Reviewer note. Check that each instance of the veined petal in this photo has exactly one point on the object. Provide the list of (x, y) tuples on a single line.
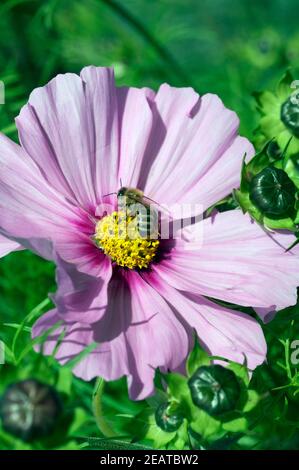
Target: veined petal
[(29, 206), (223, 332), (199, 149), (103, 122), (156, 338), (109, 360), (136, 127), (237, 261), (7, 246), (69, 128), (137, 334), (172, 109), (80, 296)]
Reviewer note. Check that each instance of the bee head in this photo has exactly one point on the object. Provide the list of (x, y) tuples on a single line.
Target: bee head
[(132, 194), (122, 191)]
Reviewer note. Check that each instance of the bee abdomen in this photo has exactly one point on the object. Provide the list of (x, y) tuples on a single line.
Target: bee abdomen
[(148, 224)]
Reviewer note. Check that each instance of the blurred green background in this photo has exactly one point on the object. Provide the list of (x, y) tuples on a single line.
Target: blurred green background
[(229, 47)]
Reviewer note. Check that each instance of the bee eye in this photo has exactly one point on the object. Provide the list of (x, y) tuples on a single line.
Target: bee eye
[(290, 114), (29, 409), (273, 193)]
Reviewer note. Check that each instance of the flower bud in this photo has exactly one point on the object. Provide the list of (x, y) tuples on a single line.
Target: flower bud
[(168, 417), (214, 389), (289, 114), (29, 409), (273, 193)]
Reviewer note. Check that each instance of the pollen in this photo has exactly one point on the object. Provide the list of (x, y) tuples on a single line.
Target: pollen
[(117, 235)]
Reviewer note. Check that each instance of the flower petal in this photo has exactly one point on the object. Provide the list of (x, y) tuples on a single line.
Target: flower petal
[(103, 120), (172, 109), (32, 212), (136, 125), (7, 246), (155, 337), (80, 296), (199, 149), (142, 333), (137, 334), (223, 332), (237, 261), (61, 131), (108, 360)]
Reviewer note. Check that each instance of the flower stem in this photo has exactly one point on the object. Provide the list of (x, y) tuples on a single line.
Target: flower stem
[(164, 53)]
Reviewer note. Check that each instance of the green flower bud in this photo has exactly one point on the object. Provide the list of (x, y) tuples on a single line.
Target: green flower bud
[(168, 417), (279, 116), (214, 389), (289, 115), (29, 409), (273, 193)]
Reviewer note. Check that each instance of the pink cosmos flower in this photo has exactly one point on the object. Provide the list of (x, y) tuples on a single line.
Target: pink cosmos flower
[(79, 137)]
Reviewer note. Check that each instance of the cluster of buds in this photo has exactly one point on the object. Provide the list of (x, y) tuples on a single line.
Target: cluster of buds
[(269, 189)]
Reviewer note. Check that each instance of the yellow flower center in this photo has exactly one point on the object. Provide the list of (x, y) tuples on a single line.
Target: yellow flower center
[(118, 236)]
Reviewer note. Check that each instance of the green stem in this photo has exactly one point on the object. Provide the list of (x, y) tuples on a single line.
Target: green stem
[(30, 317), (165, 55), (97, 406)]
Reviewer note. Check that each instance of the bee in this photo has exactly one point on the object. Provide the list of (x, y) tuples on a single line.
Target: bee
[(134, 203)]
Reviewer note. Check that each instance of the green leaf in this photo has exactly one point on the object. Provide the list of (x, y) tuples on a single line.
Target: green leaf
[(197, 357), (196, 441), (180, 440), (80, 417), (113, 444), (34, 314), (205, 425), (178, 391), (252, 401), (226, 442), (283, 88), (240, 370), (177, 386), (280, 224), (258, 162), (65, 380), (116, 415), (292, 169), (239, 424)]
